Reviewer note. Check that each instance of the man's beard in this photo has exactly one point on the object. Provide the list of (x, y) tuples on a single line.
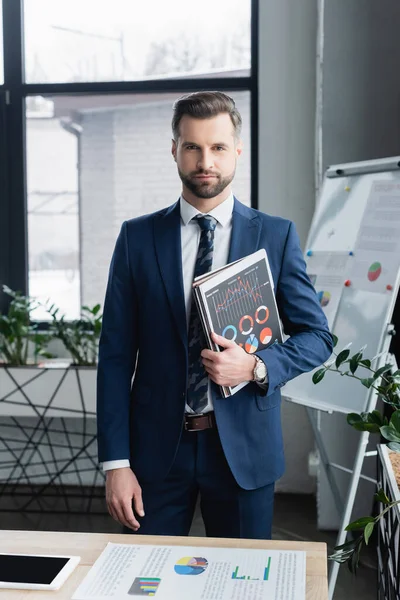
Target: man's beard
[(205, 189)]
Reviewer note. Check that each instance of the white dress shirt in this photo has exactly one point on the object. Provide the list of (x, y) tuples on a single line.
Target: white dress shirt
[(190, 238)]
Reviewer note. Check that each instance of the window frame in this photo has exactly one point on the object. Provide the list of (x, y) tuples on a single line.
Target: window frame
[(14, 263)]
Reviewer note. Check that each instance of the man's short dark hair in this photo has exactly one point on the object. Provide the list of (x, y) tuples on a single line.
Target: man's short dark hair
[(205, 105)]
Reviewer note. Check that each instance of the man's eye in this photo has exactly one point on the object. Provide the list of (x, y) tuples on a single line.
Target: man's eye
[(191, 147), (219, 148)]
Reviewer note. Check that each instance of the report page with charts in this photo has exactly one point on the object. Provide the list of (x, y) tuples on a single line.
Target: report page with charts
[(126, 571)]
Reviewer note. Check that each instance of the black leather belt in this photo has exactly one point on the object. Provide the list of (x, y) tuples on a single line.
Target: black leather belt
[(199, 422)]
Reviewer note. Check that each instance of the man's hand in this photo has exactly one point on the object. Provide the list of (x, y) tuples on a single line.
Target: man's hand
[(230, 367), (121, 487)]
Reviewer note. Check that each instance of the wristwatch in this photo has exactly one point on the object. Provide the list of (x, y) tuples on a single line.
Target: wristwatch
[(259, 371)]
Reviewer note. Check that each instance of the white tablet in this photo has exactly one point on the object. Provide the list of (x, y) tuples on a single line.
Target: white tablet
[(35, 571)]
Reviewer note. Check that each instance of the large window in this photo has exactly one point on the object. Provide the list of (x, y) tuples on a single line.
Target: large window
[(87, 132), (92, 162)]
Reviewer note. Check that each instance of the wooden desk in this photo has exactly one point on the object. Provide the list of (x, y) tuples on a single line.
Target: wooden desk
[(90, 545)]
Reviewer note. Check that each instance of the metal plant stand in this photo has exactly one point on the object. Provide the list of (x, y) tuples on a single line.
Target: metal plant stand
[(48, 449), (389, 532)]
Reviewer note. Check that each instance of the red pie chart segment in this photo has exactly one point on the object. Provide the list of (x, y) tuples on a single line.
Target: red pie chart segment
[(374, 271), (266, 335), (251, 344)]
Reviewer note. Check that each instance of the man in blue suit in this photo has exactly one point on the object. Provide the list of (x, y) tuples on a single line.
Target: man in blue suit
[(165, 433)]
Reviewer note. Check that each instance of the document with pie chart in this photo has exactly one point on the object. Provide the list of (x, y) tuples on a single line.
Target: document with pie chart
[(328, 272), (238, 303), (133, 571), (377, 249)]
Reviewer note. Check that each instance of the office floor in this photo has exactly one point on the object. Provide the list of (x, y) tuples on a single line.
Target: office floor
[(295, 519)]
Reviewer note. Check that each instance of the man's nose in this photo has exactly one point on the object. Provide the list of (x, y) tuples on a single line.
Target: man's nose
[(205, 160)]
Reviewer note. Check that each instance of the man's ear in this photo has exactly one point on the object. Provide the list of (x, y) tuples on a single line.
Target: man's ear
[(173, 149), (239, 147)]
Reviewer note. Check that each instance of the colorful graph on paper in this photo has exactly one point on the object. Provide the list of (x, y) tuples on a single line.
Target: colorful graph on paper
[(265, 573), (144, 586), (243, 309)]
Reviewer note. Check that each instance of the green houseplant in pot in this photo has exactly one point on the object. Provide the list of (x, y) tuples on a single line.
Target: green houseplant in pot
[(18, 334), (386, 383), (80, 337)]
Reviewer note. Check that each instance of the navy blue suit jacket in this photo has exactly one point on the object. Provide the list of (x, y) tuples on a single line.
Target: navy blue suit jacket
[(144, 334)]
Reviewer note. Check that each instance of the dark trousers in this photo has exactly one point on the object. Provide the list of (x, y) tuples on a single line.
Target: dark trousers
[(228, 510)]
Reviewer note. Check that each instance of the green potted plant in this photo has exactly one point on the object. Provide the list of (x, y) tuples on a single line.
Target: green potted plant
[(80, 337), (386, 382), (18, 334)]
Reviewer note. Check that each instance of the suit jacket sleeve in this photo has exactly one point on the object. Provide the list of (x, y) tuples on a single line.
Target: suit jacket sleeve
[(117, 356), (310, 342)]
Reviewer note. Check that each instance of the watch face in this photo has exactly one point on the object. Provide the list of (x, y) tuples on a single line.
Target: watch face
[(261, 371)]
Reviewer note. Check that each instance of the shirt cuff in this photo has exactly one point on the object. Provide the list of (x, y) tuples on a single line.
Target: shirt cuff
[(115, 464)]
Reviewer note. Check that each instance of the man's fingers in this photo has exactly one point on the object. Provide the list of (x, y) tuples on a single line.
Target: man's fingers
[(112, 512), (208, 354), (128, 516), (117, 514), (138, 503), (122, 488), (123, 514), (222, 341), (208, 363)]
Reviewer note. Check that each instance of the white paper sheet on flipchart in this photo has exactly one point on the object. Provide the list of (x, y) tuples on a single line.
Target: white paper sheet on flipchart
[(200, 573), (328, 272), (377, 248)]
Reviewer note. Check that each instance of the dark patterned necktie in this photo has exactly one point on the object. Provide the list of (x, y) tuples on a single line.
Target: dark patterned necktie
[(197, 392)]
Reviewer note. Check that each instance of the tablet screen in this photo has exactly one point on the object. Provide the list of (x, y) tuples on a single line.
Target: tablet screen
[(30, 569)]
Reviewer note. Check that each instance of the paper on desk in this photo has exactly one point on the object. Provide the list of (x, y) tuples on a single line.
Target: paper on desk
[(197, 573)]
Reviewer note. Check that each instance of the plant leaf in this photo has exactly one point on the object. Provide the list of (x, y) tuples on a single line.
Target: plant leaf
[(395, 420), (341, 357), (354, 418), (368, 531), (381, 497), (367, 382), (318, 375), (390, 433), (395, 446), (335, 340), (354, 362), (360, 523), (381, 371), (366, 363), (350, 545)]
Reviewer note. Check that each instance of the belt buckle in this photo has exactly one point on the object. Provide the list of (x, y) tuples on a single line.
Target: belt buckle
[(187, 422)]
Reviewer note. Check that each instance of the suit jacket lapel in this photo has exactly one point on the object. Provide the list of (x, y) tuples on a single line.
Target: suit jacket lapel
[(246, 230), (167, 239)]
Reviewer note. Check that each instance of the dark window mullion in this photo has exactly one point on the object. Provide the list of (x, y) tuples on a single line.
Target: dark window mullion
[(233, 84), (17, 267), (254, 108), (4, 208), (13, 43)]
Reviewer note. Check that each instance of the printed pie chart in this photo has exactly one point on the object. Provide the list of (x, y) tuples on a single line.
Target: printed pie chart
[(191, 565), (324, 298), (251, 344), (230, 332), (374, 271), (266, 335)]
